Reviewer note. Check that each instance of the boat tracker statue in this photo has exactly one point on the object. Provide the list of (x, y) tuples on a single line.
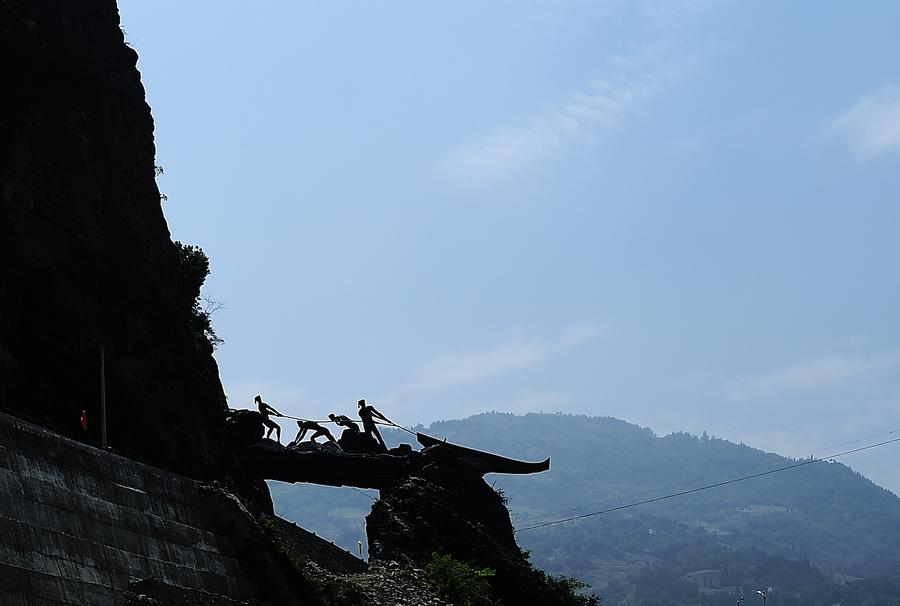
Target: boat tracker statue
[(357, 458)]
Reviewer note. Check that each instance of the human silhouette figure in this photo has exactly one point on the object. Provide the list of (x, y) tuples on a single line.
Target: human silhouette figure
[(368, 414), (305, 426), (343, 421), (265, 410)]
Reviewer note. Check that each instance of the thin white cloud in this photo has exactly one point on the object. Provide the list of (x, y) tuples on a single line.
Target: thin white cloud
[(478, 364), (872, 125), (820, 374), (580, 333), (630, 82), (604, 106), (503, 154)]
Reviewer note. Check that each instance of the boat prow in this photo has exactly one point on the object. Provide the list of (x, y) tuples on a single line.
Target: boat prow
[(486, 462)]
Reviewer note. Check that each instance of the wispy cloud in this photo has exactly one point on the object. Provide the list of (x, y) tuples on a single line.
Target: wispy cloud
[(624, 88), (502, 154), (603, 106), (872, 126), (515, 354), (823, 373)]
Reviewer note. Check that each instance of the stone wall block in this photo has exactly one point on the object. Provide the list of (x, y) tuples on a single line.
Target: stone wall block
[(7, 458), (132, 498), (14, 580), (78, 525), (11, 483), (233, 568), (46, 587), (96, 595), (154, 548), (224, 546), (182, 556), (220, 584)]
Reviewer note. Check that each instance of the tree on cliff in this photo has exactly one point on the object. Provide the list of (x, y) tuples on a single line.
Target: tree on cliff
[(193, 268)]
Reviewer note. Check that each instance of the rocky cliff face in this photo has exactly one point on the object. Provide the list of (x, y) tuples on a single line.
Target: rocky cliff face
[(447, 508), (86, 259)]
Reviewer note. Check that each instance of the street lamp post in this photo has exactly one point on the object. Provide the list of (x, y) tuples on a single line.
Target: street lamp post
[(764, 594)]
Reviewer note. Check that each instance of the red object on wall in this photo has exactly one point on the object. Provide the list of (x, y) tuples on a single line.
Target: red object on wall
[(83, 420)]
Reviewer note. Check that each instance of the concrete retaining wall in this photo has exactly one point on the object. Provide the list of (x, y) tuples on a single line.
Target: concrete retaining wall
[(78, 525)]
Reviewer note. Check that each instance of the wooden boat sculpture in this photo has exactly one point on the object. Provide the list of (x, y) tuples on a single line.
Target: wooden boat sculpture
[(485, 462)]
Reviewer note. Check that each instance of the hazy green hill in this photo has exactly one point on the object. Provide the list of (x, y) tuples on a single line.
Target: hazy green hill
[(794, 530)]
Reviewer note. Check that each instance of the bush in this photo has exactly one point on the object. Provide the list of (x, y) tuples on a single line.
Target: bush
[(566, 590), (460, 583), (193, 268)]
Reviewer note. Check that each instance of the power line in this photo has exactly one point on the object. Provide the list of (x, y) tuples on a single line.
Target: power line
[(856, 441), (707, 487), (738, 470), (362, 492)]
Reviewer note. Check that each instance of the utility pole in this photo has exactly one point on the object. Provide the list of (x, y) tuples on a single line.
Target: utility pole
[(102, 398)]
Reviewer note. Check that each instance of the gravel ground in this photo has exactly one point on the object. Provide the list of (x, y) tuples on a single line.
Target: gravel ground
[(387, 583)]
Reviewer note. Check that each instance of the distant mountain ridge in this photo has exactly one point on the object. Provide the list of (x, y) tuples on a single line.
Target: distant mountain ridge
[(605, 462), (799, 529)]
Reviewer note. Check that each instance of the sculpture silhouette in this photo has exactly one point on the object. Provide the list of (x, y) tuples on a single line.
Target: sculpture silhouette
[(356, 459), (265, 410), (318, 430), (368, 414)]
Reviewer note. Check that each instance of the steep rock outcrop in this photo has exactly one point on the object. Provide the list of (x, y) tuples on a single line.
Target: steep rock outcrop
[(448, 509), (86, 259)]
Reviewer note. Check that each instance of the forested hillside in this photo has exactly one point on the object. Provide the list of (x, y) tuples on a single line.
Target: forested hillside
[(809, 533)]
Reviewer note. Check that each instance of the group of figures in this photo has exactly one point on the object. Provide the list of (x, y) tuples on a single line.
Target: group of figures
[(351, 437)]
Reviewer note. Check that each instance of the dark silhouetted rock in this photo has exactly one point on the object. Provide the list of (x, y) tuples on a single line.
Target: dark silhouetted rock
[(467, 516), (359, 442), (86, 259), (323, 464), (401, 450), (450, 510), (244, 427)]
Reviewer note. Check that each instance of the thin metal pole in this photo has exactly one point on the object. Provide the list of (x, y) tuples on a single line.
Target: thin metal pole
[(102, 398)]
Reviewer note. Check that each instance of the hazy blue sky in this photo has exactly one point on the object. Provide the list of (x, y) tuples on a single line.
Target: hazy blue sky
[(682, 214)]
